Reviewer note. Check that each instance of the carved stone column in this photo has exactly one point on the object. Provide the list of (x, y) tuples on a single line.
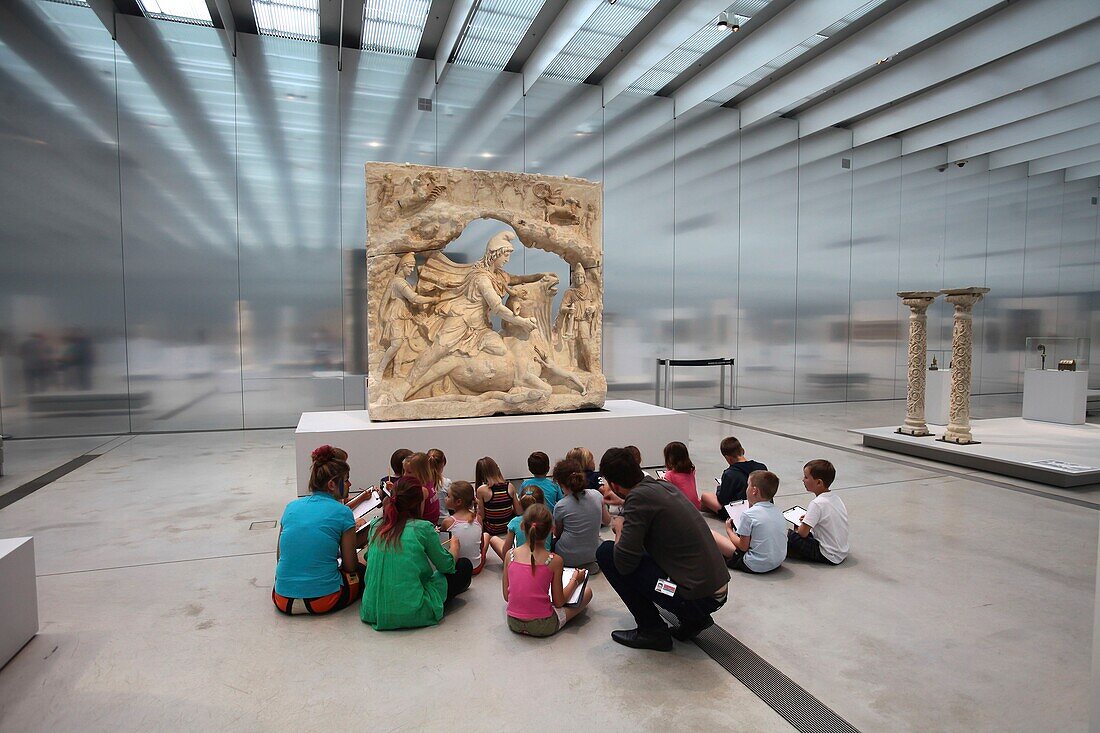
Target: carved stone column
[(962, 348), (918, 302)]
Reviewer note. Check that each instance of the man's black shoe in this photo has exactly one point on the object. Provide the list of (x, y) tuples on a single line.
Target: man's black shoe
[(688, 631), (637, 639)]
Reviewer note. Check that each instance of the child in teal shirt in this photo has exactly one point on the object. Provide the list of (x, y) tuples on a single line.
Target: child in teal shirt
[(538, 463)]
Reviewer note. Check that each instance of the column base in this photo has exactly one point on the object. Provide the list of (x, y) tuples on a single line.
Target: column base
[(914, 432), (958, 440)]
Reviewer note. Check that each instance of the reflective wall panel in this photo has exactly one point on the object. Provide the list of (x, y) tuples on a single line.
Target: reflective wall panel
[(923, 223), (875, 319), (176, 131), (379, 121), (769, 244), (823, 268), (480, 119), (965, 242), (638, 230), (62, 325), (1004, 318), (1076, 257), (290, 255), (708, 149), (1042, 253)]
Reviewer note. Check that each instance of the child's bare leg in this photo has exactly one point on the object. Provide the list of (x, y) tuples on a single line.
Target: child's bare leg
[(709, 503), (571, 613), (725, 545), (497, 543)]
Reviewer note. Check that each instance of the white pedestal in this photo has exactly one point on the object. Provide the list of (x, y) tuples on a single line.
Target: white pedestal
[(1053, 396), (937, 394), (18, 597), (507, 438)]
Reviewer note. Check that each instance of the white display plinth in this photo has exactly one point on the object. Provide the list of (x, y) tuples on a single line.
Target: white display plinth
[(1053, 396), (18, 597), (507, 438), (937, 394)]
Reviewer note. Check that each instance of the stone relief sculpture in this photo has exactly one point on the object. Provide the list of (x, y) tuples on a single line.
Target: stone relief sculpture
[(433, 349)]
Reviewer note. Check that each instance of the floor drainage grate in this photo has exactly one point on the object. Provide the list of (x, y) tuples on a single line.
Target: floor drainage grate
[(269, 524), (782, 694)]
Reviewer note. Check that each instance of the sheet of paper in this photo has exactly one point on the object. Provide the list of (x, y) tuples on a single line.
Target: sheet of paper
[(735, 510), (566, 576), (660, 473), (794, 515), (362, 509)]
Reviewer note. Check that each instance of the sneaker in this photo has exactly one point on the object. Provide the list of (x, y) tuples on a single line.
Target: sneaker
[(638, 639)]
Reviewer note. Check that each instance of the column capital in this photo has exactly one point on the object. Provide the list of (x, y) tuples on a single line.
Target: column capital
[(964, 298), (918, 300)]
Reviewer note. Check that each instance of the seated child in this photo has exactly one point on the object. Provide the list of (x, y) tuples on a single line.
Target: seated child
[(497, 503), (734, 478), (418, 466), (464, 524), (823, 534), (578, 516), (516, 537), (759, 544), (437, 461), (532, 581), (680, 471), (397, 469), (318, 570), (538, 463)]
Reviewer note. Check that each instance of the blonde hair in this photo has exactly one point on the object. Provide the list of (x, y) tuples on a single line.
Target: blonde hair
[(462, 494), (583, 456), (536, 524), (436, 463), (417, 465)]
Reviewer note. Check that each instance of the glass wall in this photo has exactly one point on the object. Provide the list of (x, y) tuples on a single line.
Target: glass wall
[(184, 230)]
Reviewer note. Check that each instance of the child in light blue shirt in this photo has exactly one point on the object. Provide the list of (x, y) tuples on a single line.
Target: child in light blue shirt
[(538, 463), (759, 542)]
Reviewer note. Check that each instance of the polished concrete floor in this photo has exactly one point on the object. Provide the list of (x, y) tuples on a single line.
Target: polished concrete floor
[(967, 603)]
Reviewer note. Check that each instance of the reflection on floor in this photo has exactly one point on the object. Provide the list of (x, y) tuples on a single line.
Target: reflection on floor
[(156, 613)]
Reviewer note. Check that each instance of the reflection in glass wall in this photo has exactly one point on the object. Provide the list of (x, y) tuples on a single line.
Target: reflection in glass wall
[(62, 323), (184, 230)]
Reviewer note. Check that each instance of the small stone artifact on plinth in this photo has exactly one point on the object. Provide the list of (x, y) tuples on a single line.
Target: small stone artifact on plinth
[(962, 348), (433, 349), (918, 302)]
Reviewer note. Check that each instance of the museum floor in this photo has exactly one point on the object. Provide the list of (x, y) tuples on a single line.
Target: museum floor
[(966, 605)]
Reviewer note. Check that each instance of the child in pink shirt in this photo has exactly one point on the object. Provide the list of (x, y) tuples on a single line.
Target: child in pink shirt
[(680, 471), (532, 580)]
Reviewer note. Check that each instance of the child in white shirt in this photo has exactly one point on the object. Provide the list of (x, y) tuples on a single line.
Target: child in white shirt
[(822, 536)]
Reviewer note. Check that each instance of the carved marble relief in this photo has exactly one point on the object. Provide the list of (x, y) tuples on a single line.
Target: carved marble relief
[(433, 349)]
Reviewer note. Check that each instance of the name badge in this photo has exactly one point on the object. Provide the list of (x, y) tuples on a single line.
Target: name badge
[(667, 587)]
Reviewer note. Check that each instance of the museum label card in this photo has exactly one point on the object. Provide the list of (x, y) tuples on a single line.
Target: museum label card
[(1063, 466)]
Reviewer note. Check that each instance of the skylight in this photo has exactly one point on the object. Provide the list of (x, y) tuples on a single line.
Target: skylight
[(299, 19), (394, 26), (494, 32), (694, 48), (780, 61), (184, 11), (597, 38)]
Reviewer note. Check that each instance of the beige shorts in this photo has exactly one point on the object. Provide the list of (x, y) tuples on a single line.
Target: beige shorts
[(540, 626)]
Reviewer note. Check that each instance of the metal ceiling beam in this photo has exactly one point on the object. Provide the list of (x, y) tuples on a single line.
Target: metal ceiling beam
[(452, 31), (786, 30), (1062, 55), (433, 28), (1015, 28), (1081, 172), (105, 11), (560, 32), (903, 28), (1054, 94), (331, 15), (1050, 123), (223, 18), (1068, 159), (243, 16), (1046, 146), (353, 24), (675, 28)]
